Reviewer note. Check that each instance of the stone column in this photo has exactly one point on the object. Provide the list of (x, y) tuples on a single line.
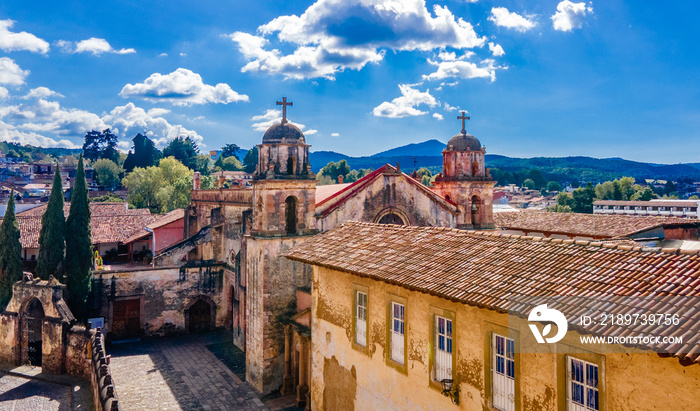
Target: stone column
[(288, 379), (302, 388)]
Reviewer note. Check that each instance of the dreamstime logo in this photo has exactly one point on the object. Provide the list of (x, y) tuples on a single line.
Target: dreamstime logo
[(542, 314)]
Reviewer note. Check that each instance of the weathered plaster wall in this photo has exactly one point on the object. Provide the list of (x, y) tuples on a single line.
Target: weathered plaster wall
[(164, 293), (630, 381), (269, 207), (389, 191), (270, 301)]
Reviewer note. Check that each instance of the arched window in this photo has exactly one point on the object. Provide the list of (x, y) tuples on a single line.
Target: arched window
[(391, 218), (291, 214), (476, 211)]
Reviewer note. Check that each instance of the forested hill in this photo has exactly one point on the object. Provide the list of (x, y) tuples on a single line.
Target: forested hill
[(428, 154)]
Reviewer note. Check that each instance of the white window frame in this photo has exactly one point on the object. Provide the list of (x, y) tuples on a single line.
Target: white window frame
[(502, 372), (398, 336), (444, 348), (361, 318), (580, 382)]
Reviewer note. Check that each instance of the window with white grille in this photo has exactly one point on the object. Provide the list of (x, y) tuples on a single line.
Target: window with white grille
[(443, 349), (503, 372), (581, 385), (397, 332), (361, 318)]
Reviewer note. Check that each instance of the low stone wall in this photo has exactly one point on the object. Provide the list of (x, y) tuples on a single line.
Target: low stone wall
[(103, 390)]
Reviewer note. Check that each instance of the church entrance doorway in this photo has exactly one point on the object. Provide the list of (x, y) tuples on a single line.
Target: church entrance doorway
[(30, 340), (200, 317), (126, 321)]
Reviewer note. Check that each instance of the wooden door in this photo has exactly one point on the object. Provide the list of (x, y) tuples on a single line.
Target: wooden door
[(200, 317), (126, 321)]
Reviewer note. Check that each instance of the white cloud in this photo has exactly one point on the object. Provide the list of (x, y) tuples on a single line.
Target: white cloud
[(405, 105), (272, 117), (183, 54), (438, 116), (41, 92), (4, 93), (10, 133), (462, 69), (496, 49), (503, 18), (182, 87), (163, 55), (93, 45), (335, 134), (11, 73), (570, 15), (10, 41), (335, 35), (128, 120), (48, 116), (448, 107)]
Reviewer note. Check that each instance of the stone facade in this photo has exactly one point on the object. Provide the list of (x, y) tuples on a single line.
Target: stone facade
[(38, 328)]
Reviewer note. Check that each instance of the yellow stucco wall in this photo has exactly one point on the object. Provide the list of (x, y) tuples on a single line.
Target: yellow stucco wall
[(345, 377)]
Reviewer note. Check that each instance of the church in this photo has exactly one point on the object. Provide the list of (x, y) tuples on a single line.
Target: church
[(246, 231)]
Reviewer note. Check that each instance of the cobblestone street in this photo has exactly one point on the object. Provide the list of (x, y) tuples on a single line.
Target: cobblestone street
[(26, 388), (178, 374)]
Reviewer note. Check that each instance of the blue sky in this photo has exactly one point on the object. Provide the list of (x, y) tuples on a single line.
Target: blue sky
[(547, 78)]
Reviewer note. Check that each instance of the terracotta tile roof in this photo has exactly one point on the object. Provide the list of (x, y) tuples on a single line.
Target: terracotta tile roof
[(109, 223), (513, 274), (96, 209), (655, 203), (160, 221), (589, 225)]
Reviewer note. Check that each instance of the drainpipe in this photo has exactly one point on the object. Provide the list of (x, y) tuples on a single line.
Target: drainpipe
[(153, 247)]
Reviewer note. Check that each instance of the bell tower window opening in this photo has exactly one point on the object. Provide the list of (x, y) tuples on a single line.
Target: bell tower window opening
[(475, 168), (291, 165), (291, 214)]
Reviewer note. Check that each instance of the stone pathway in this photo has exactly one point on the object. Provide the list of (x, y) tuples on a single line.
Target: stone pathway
[(178, 374), (26, 388)]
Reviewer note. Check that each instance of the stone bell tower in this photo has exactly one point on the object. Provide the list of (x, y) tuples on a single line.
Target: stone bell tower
[(465, 180), (284, 203)]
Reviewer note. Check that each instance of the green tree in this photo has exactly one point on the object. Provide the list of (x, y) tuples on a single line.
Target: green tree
[(230, 150), (583, 199), (617, 192), (553, 186), (529, 184), (669, 188), (161, 189), (693, 197), (101, 145), (183, 149), (78, 261), (536, 176), (10, 253), (250, 161), (644, 194), (627, 187), (333, 170), (107, 173), (145, 153), (142, 185), (232, 164), (51, 235), (355, 175)]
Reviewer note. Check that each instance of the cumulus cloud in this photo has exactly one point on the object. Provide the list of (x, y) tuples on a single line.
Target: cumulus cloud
[(462, 69), (41, 92), (448, 107), (335, 134), (4, 93), (11, 134), (504, 18), (570, 15), (182, 87), (405, 105), (335, 35), (496, 49), (93, 45), (10, 41), (274, 116), (438, 116), (42, 115), (11, 73), (128, 120)]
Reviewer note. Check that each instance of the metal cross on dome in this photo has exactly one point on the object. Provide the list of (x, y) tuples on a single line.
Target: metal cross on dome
[(463, 117), (284, 103)]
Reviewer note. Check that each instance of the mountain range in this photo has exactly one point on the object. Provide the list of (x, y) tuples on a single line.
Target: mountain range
[(429, 154)]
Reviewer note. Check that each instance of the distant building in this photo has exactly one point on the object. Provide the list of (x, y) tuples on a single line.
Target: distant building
[(661, 207)]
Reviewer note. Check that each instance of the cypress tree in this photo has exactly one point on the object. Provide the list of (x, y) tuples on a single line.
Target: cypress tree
[(51, 236), (78, 262), (10, 253)]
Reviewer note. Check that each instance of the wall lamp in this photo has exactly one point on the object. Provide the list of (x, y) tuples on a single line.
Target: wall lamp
[(447, 391)]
